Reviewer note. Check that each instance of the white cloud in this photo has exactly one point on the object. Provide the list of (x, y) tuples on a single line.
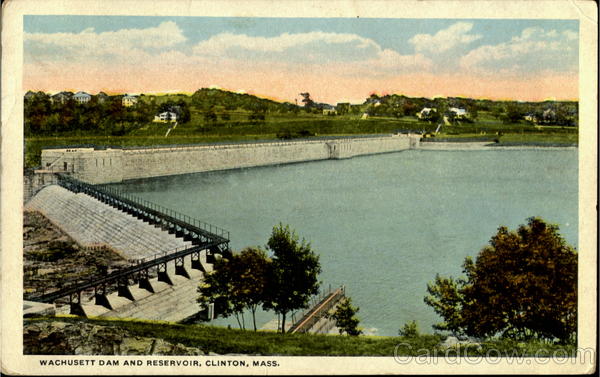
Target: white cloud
[(304, 48), (131, 44), (308, 47), (535, 49), (446, 39)]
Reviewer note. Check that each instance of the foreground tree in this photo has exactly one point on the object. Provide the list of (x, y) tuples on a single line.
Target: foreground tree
[(345, 318), (522, 286), (294, 272), (216, 288), (237, 284), (250, 273)]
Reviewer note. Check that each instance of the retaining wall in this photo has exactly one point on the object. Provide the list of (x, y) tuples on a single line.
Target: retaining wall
[(116, 165)]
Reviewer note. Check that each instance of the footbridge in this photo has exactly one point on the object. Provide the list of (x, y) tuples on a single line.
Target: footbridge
[(145, 276), (315, 319)]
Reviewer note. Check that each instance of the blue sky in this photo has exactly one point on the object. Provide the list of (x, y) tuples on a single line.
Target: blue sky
[(390, 33), (345, 47)]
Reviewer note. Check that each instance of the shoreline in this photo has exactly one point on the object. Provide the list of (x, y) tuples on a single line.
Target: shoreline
[(486, 146)]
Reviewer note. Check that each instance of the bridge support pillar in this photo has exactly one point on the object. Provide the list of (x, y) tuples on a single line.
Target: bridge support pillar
[(100, 297), (144, 281), (196, 264), (180, 267), (163, 275), (123, 290), (75, 305)]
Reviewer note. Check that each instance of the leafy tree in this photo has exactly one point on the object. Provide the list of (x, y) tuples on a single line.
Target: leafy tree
[(409, 330), (237, 283), (308, 102), (345, 318), (293, 275), (210, 115), (513, 113), (523, 285), (251, 269), (216, 288)]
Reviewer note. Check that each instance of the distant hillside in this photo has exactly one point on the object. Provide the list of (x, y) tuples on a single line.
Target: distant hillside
[(206, 99)]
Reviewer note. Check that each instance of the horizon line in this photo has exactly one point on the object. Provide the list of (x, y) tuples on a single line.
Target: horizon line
[(272, 98)]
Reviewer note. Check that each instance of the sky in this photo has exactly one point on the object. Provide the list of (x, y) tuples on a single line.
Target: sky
[(334, 59)]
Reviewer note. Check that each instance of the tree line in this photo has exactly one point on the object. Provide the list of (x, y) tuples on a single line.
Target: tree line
[(106, 115), (102, 115)]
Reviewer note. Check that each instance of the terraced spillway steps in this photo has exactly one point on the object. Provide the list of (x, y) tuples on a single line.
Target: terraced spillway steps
[(159, 284)]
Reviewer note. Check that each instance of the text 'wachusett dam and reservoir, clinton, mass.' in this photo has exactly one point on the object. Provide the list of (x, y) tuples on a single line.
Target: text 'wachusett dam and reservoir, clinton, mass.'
[(231, 186)]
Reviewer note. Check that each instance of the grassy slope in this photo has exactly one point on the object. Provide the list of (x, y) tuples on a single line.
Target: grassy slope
[(223, 341)]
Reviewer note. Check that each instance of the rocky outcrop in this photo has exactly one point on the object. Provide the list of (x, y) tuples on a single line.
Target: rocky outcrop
[(52, 259), (82, 338)]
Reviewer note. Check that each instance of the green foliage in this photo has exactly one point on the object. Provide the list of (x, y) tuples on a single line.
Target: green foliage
[(294, 274), (345, 318), (210, 97), (446, 300), (514, 113), (522, 286), (236, 284), (217, 287), (409, 330), (251, 268), (43, 116)]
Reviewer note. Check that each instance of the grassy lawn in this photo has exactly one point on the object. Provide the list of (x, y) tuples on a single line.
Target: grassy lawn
[(222, 340)]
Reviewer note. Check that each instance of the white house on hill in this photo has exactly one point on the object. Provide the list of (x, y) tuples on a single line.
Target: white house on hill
[(61, 97), (424, 113), (165, 117), (82, 97), (129, 100), (459, 112)]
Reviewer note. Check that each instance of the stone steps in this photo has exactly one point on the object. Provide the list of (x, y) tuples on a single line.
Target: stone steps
[(90, 222)]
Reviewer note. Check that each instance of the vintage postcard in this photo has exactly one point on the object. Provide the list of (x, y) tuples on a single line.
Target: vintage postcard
[(302, 187)]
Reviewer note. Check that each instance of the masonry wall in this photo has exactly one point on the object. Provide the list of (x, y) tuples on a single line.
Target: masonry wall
[(116, 165)]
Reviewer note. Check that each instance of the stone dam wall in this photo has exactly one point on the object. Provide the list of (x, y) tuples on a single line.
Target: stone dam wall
[(98, 166)]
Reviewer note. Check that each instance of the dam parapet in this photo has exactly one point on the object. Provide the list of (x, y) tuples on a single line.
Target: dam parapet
[(113, 165)]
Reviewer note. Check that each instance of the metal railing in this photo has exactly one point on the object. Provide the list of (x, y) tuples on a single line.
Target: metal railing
[(317, 311), (140, 265), (184, 221)]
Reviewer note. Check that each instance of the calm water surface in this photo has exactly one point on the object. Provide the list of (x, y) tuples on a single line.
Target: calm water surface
[(383, 225)]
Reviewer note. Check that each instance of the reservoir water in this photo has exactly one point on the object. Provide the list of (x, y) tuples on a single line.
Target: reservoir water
[(384, 225)]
